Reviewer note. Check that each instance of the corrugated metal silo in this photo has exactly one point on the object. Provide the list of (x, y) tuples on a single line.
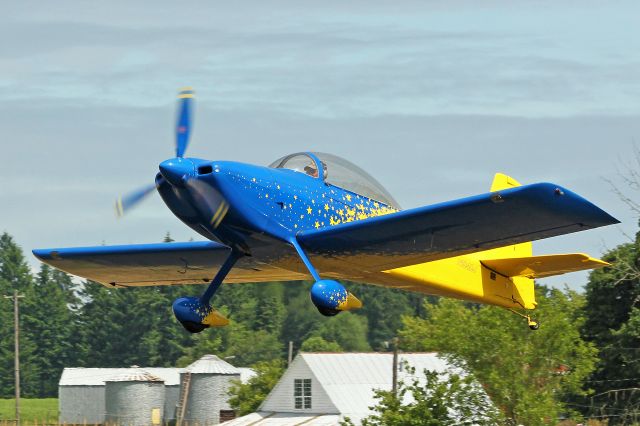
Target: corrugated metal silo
[(205, 385), (134, 399)]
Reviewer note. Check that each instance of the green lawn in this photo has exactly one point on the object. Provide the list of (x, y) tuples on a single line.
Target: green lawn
[(31, 410)]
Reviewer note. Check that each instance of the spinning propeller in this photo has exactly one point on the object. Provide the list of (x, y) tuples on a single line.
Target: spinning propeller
[(170, 168)]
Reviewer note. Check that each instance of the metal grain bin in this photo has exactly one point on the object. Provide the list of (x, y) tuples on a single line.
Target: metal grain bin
[(204, 387), (134, 399)]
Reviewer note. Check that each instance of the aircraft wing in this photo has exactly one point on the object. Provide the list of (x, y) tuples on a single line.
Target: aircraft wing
[(159, 264), (453, 228)]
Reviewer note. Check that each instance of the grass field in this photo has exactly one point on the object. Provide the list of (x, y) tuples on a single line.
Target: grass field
[(31, 410)]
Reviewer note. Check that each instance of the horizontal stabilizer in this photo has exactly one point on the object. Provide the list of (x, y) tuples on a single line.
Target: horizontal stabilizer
[(543, 266)]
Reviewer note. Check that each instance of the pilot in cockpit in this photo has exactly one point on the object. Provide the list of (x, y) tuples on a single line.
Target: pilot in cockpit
[(312, 170)]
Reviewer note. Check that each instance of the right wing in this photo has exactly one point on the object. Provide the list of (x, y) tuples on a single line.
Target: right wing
[(449, 229), (159, 264)]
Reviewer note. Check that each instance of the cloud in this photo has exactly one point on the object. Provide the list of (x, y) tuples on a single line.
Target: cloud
[(321, 62)]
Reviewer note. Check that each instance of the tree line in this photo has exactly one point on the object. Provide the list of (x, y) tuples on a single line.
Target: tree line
[(583, 362), (71, 323)]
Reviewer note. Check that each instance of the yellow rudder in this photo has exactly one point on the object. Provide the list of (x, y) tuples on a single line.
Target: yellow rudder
[(502, 181)]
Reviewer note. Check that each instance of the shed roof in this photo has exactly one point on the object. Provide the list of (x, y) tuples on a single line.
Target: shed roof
[(79, 376), (211, 364)]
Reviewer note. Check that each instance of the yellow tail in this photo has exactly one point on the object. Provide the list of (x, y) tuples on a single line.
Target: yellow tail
[(502, 276)]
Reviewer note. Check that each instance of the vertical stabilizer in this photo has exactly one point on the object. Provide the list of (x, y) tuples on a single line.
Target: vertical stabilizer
[(524, 291), (502, 181)]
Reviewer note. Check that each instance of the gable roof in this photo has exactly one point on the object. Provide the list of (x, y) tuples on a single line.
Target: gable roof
[(208, 364), (350, 379), (98, 376)]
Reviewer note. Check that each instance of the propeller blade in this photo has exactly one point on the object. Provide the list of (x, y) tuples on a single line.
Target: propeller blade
[(183, 126), (124, 204)]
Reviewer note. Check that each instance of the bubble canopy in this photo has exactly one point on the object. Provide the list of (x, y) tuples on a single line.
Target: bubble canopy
[(337, 172)]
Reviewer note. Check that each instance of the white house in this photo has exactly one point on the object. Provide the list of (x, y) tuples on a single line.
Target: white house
[(324, 388)]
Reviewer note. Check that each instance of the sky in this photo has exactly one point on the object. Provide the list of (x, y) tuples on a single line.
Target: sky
[(432, 98)]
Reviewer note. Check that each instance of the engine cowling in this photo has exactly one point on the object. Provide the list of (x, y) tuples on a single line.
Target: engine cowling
[(331, 298)]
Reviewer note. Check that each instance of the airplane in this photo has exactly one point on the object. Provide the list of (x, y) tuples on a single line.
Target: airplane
[(312, 214)]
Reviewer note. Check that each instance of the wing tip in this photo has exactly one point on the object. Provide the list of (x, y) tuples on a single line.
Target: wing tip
[(41, 254), (594, 216), (596, 263)]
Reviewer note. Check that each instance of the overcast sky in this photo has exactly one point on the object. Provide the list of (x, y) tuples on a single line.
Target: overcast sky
[(432, 98)]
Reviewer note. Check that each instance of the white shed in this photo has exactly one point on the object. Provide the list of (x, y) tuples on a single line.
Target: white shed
[(324, 388), (81, 392)]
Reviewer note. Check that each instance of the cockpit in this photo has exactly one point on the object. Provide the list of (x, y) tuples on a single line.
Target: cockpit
[(336, 171)]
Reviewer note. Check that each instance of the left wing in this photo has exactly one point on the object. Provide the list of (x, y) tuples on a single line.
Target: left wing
[(454, 228), (159, 264)]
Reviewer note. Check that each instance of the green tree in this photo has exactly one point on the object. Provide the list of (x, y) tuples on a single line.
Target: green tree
[(269, 310), (348, 330), (14, 270), (318, 344), (384, 307), (528, 374), (207, 342), (301, 317), (49, 322), (439, 400), (237, 343), (246, 398), (14, 275), (248, 347), (613, 301), (122, 327)]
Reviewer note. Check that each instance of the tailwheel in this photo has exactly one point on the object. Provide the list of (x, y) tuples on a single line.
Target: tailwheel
[(533, 324)]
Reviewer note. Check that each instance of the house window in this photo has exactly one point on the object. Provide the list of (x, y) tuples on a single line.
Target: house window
[(302, 393), (226, 415)]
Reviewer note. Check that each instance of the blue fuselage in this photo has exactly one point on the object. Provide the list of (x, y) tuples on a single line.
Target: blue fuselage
[(232, 202)]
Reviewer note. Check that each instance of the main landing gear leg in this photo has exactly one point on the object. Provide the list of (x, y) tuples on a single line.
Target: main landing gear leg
[(194, 313), (533, 325), (329, 296)]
